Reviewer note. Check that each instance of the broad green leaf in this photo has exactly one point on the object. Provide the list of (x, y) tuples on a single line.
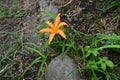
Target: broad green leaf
[(99, 62), (88, 53), (103, 66), (86, 48), (95, 52), (105, 58), (109, 63), (92, 65)]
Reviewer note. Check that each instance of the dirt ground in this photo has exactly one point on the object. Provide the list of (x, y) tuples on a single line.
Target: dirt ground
[(85, 16)]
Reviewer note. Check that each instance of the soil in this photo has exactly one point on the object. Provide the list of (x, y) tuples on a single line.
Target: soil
[(84, 16)]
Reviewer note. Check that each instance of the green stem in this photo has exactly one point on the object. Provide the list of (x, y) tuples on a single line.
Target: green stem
[(108, 46), (95, 77)]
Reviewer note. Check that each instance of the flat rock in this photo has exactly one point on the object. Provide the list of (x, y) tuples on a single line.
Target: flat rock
[(60, 69)]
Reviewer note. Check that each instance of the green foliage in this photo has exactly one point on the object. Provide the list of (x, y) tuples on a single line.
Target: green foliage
[(92, 53), (13, 11), (92, 64), (117, 42), (37, 60), (20, 47), (108, 75), (38, 51), (104, 62), (49, 14), (8, 60), (2, 12), (111, 4), (20, 13), (88, 46)]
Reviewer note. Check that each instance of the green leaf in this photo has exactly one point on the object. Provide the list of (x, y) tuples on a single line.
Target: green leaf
[(49, 13), (105, 58), (95, 52), (86, 48), (20, 13), (37, 60), (109, 63), (111, 4), (36, 51), (2, 12), (88, 53), (103, 66), (99, 62), (92, 65)]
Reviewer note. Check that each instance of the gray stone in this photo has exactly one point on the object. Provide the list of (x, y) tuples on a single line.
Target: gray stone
[(60, 69), (47, 5)]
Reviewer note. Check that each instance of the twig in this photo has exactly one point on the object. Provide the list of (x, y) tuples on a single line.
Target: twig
[(67, 3), (4, 68)]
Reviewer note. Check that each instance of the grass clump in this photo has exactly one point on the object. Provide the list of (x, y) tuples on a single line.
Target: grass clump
[(88, 49), (13, 11)]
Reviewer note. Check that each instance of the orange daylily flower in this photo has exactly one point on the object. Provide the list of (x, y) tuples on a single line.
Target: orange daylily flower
[(54, 28)]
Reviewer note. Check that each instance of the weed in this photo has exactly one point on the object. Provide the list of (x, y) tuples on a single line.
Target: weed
[(95, 62), (13, 11), (111, 4), (88, 46), (20, 13), (2, 12)]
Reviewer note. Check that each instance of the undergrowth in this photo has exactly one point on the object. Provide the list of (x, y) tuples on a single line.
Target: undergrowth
[(88, 46)]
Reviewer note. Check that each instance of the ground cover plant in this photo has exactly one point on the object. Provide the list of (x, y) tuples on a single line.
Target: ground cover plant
[(89, 32)]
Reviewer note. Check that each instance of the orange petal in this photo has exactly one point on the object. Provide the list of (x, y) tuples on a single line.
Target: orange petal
[(45, 30), (57, 20), (62, 33), (51, 37), (62, 24), (49, 23)]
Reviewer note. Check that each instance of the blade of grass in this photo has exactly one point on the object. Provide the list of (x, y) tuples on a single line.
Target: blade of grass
[(49, 13), (108, 46), (37, 60), (36, 51), (41, 70)]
